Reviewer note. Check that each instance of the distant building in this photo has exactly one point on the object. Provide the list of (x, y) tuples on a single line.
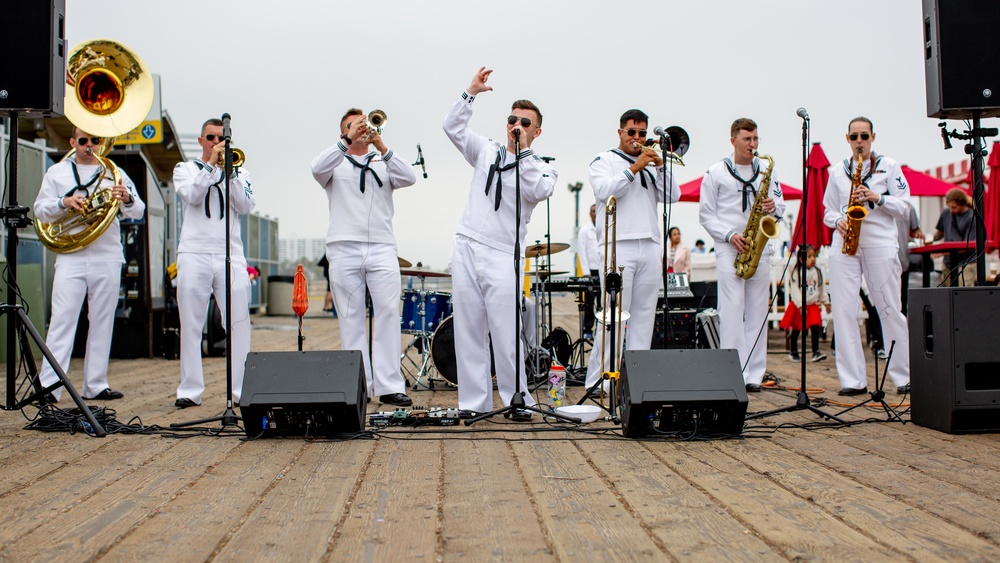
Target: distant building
[(296, 248)]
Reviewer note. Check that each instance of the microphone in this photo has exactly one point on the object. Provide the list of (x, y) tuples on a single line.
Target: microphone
[(801, 112), (517, 133), (659, 132), (226, 133), (420, 160)]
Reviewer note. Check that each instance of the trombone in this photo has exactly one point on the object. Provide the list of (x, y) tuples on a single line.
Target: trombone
[(612, 303)]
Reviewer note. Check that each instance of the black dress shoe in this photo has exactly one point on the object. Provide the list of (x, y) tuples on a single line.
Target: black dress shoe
[(106, 395), (848, 392), (902, 390), (753, 388), (398, 399), (184, 403)]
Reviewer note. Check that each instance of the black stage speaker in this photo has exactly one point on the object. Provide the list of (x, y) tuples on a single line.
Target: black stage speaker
[(700, 391), (955, 359), (304, 393), (33, 60), (959, 36)]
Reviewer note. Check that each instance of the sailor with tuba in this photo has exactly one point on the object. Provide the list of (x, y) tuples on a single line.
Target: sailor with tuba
[(738, 191), (879, 187), (634, 174), (92, 269)]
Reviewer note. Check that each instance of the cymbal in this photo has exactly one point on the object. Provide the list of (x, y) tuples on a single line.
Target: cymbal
[(422, 272), (404, 263), (543, 249), (546, 273)]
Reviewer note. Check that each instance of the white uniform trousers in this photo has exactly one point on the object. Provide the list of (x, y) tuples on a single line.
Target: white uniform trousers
[(743, 311), (198, 277), (641, 281), (354, 266), (485, 290), (100, 283), (881, 272)]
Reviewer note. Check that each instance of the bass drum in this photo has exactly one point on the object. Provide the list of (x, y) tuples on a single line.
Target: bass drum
[(443, 352)]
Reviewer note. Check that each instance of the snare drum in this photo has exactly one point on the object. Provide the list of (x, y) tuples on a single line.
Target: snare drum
[(436, 307)]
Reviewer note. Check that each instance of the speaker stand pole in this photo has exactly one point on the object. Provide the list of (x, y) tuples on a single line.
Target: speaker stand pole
[(16, 217), (978, 152), (802, 399), (228, 417)]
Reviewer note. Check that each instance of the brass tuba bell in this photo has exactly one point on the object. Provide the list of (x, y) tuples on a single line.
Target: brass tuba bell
[(112, 91)]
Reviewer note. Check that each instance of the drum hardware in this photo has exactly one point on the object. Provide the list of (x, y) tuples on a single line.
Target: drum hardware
[(423, 314)]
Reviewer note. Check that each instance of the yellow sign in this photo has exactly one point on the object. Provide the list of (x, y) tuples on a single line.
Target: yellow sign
[(147, 132), (151, 129)]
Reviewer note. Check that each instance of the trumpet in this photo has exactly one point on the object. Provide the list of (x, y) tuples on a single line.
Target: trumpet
[(652, 148), (375, 122), (239, 157)]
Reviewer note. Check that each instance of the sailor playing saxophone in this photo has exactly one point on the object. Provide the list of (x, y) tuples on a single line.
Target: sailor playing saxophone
[(728, 194), (883, 191)]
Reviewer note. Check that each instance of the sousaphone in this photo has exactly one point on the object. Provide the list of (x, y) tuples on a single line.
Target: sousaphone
[(110, 92)]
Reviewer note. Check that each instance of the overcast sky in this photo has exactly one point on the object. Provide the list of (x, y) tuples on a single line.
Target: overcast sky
[(286, 71)]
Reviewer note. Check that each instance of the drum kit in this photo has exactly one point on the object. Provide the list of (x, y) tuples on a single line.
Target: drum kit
[(427, 317)]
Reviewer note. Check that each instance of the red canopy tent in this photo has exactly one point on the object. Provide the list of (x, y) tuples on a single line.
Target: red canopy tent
[(922, 185), (691, 191), (991, 199), (817, 174)]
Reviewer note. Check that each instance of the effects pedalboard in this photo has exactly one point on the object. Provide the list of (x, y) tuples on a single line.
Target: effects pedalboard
[(417, 416)]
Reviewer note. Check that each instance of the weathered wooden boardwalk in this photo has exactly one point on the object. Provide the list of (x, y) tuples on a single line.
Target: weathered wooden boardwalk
[(495, 491)]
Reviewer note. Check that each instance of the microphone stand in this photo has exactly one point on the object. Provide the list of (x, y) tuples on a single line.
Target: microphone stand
[(802, 398), (517, 400), (666, 147), (18, 324), (228, 417)]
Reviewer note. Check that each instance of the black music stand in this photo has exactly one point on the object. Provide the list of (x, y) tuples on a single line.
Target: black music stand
[(18, 324), (228, 417)]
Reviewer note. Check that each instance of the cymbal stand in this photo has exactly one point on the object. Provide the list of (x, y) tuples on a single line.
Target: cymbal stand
[(421, 342), (540, 357)]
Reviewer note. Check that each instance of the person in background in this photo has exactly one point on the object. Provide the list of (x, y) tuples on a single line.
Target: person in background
[(699, 247), (957, 224), (678, 253), (590, 258), (815, 297)]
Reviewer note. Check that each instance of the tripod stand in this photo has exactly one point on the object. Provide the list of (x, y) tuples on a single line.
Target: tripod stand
[(228, 417), (517, 402), (802, 398), (19, 326), (878, 395)]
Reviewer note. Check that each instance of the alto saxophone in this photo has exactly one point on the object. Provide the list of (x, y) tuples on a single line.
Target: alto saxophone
[(760, 227), (855, 214)]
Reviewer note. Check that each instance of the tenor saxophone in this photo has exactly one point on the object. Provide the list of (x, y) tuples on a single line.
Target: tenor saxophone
[(855, 214), (760, 227)]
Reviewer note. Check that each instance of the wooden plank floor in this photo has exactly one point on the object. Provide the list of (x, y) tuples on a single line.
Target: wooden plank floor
[(497, 490)]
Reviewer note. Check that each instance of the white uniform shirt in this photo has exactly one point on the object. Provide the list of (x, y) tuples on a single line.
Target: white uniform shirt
[(355, 215), (879, 227), (203, 230), (636, 216), (481, 220), (586, 248), (58, 183), (720, 209)]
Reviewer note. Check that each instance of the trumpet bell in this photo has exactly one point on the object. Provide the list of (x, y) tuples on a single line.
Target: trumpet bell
[(112, 88), (378, 118)]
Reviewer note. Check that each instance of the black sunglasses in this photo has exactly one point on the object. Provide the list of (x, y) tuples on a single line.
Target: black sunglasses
[(854, 136), (211, 137), (632, 132), (92, 140), (525, 122)]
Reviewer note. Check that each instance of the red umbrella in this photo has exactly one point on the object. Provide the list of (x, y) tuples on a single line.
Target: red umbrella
[(923, 185), (991, 199), (691, 191), (817, 174)]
